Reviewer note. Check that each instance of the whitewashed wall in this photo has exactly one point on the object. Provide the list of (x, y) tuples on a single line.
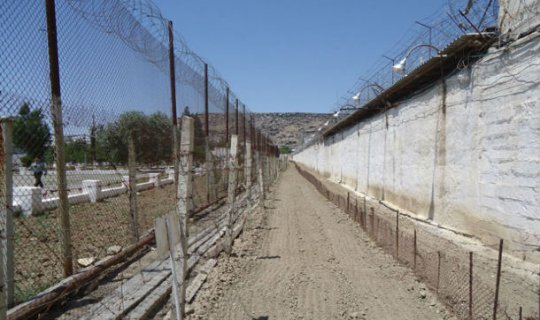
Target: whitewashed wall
[(518, 16), (474, 168)]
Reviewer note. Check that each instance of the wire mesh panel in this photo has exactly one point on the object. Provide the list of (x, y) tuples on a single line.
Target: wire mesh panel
[(465, 281), (24, 94), (96, 89)]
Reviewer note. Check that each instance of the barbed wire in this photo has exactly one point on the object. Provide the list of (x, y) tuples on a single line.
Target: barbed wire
[(141, 26), (452, 20)]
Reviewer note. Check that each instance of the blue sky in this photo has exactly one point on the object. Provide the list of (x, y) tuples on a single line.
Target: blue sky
[(293, 55)]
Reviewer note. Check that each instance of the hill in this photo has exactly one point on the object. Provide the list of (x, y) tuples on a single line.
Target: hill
[(290, 128)]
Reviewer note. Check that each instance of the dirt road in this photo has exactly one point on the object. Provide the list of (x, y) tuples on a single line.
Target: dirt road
[(305, 259)]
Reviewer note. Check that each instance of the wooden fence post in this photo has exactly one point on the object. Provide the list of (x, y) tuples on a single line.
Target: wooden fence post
[(58, 126), (132, 188), (261, 176), (233, 174), (7, 271), (184, 198), (248, 165), (210, 181)]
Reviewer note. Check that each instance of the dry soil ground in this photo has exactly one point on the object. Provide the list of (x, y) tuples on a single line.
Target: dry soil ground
[(302, 258)]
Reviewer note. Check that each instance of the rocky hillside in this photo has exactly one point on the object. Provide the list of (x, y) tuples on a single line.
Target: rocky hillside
[(290, 128)]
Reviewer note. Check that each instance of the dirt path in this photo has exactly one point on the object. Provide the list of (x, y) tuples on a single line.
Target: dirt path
[(305, 259)]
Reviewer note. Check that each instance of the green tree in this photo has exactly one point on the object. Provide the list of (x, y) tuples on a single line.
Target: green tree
[(76, 151), (285, 150), (151, 134), (31, 133)]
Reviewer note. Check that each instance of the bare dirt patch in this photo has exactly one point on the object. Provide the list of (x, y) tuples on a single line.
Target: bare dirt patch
[(94, 228), (302, 258)]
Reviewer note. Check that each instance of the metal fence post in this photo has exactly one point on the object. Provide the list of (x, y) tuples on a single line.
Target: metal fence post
[(210, 185), (244, 126), (172, 76), (397, 235), (236, 117), (348, 201), (498, 281), (56, 111), (132, 188), (438, 270), (227, 93), (372, 222), (470, 285), (260, 165), (248, 169), (415, 250)]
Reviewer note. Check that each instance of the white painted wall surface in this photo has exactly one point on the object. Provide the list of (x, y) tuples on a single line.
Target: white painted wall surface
[(474, 168), (518, 16)]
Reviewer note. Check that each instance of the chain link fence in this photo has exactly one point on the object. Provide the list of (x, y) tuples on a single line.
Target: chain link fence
[(90, 93), (469, 282)]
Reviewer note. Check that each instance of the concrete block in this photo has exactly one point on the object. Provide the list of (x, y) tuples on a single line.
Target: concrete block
[(145, 186), (154, 178), (93, 189), (78, 198), (170, 174), (29, 199), (113, 192)]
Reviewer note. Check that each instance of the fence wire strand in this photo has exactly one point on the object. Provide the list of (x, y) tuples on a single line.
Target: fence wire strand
[(115, 84)]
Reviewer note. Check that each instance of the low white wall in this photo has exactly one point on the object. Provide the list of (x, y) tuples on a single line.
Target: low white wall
[(29, 200), (473, 166)]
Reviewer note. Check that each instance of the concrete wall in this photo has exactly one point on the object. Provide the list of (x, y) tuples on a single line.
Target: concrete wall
[(518, 16), (468, 159)]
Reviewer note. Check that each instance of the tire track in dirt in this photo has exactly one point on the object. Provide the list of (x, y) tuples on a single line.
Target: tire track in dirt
[(315, 263)]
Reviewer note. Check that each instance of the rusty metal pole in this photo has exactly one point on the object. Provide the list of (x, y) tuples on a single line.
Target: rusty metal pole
[(56, 111), (172, 76), (415, 250), (470, 285), (372, 221), (224, 166), (498, 280), (355, 209), (208, 155), (206, 104), (438, 270), (348, 200), (244, 125), (236, 117), (397, 235), (227, 93)]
